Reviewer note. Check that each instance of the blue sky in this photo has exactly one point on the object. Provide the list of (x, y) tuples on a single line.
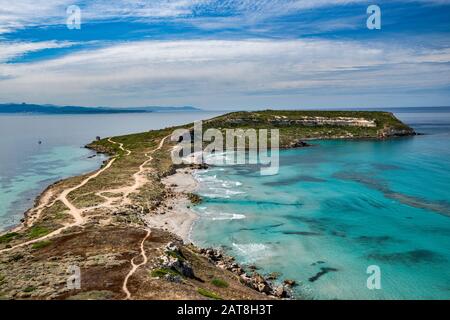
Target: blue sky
[(229, 54)]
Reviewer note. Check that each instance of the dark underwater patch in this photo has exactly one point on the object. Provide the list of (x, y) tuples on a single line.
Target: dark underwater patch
[(375, 240), (292, 181), (317, 225), (243, 202), (323, 271), (262, 228), (441, 207), (413, 256), (384, 167), (302, 233), (338, 234)]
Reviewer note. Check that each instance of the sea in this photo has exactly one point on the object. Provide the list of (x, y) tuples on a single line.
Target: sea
[(38, 150), (344, 219)]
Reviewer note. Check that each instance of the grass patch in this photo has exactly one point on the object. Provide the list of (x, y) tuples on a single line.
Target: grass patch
[(163, 271), (8, 237), (93, 295), (208, 294), (41, 244), (37, 232), (176, 255), (29, 289), (220, 283)]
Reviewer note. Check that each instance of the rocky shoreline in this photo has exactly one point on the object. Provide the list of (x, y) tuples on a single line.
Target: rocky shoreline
[(182, 185), (256, 281)]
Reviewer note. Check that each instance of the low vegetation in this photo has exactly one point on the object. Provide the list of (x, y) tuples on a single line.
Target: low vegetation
[(208, 294), (37, 231), (29, 289), (176, 255), (220, 283), (40, 244), (290, 131), (8, 237), (161, 272)]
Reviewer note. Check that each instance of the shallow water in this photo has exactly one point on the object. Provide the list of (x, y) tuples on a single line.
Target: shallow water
[(27, 167), (339, 207)]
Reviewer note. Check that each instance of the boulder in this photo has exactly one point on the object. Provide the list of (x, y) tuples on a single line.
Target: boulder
[(290, 283), (280, 292)]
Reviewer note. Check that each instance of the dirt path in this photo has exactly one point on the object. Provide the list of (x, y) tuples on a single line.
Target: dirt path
[(135, 266), (76, 213), (35, 213), (139, 181)]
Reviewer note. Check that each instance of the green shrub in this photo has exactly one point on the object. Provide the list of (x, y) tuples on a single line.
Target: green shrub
[(41, 244), (220, 283), (8, 237), (176, 255), (29, 289), (37, 232), (208, 294), (162, 272)]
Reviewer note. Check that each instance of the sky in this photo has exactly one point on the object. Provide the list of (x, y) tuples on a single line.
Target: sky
[(225, 54)]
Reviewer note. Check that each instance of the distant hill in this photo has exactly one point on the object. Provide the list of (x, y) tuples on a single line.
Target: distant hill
[(52, 109)]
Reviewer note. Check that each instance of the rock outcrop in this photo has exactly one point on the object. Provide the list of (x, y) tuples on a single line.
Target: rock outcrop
[(254, 280)]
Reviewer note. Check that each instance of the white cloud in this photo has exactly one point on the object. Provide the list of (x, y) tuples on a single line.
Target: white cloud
[(182, 72), (24, 13), (10, 50)]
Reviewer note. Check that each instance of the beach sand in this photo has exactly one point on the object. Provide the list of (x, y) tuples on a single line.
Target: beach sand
[(176, 216)]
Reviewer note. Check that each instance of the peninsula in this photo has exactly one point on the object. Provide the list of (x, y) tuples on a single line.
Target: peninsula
[(122, 232)]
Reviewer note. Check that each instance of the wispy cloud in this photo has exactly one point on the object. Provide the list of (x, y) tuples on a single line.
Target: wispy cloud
[(170, 71), (25, 13), (10, 50), (230, 57)]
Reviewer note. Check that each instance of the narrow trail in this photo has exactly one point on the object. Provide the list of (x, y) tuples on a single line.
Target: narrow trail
[(135, 266), (35, 213), (73, 211), (139, 181)]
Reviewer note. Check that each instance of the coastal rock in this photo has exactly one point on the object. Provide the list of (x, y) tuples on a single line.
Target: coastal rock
[(393, 132), (256, 281), (264, 288), (273, 276), (298, 144), (290, 283), (280, 292), (174, 259)]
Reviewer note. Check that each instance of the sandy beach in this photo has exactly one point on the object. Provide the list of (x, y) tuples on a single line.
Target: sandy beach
[(177, 217)]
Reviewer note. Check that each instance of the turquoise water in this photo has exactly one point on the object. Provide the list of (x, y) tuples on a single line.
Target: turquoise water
[(26, 167), (338, 207)]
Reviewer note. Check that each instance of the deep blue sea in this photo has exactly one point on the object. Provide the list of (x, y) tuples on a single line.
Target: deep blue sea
[(339, 207), (27, 167)]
